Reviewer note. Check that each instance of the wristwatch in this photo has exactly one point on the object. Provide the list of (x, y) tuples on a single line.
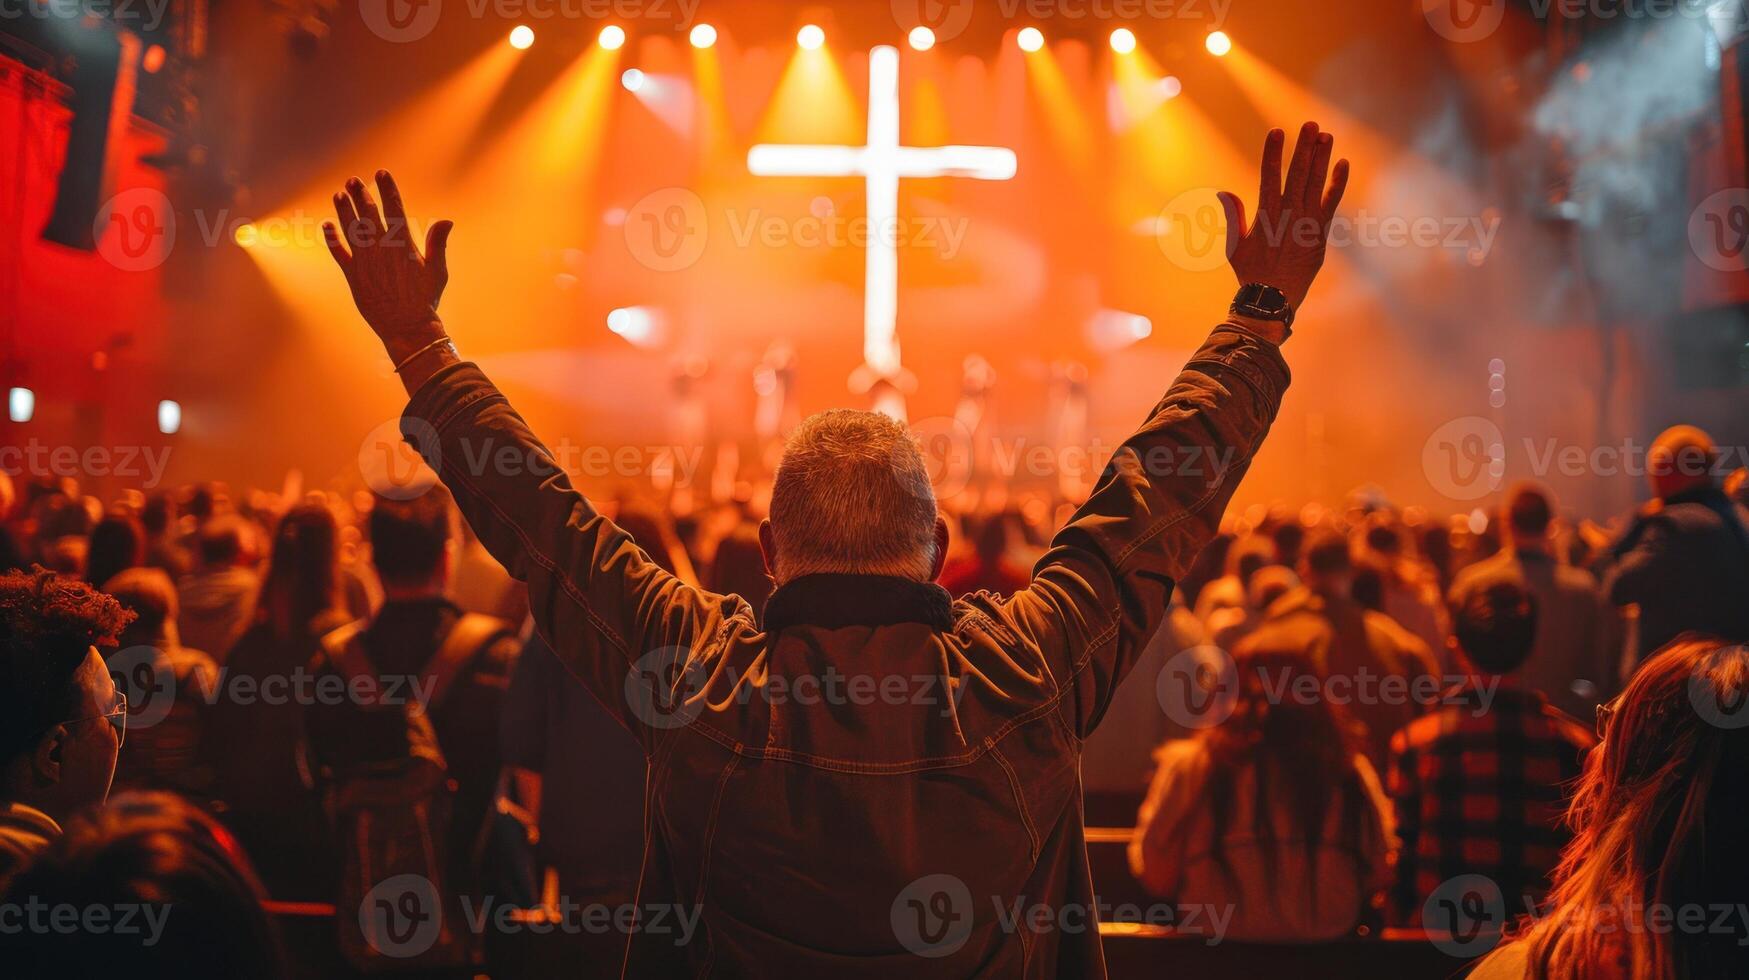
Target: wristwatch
[(1261, 302)]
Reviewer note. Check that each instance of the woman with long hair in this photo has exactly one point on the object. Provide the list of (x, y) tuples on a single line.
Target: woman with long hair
[(258, 740), (1274, 812), (1656, 878)]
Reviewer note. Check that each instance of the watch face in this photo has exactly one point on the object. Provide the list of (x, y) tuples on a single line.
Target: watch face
[(1267, 299)]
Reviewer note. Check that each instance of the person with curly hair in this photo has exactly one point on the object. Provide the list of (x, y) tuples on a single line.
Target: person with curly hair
[(61, 718)]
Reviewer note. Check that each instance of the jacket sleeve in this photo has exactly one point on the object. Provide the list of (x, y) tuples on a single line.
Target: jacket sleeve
[(1101, 591), (613, 617)]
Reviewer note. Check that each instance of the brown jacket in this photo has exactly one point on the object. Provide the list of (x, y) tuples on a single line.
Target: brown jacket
[(883, 781)]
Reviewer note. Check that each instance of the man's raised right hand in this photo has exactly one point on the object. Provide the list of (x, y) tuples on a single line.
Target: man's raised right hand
[(1283, 246)]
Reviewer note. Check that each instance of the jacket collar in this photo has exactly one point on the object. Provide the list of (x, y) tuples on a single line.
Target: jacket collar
[(833, 601)]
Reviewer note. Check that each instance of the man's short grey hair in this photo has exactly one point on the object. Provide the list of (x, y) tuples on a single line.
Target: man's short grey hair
[(853, 496)]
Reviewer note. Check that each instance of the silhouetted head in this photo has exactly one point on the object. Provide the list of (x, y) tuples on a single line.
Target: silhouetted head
[(117, 542), (194, 904), (853, 496), (1682, 458), (149, 594), (220, 542), (411, 541), (1529, 513), (1494, 625), (1325, 565)]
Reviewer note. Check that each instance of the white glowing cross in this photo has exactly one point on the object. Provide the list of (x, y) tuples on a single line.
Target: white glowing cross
[(882, 162)]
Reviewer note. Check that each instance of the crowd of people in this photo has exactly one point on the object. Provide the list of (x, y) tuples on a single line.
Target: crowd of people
[(1311, 817), (1332, 716)]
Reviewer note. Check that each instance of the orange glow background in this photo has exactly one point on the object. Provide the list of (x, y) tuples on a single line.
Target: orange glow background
[(542, 158)]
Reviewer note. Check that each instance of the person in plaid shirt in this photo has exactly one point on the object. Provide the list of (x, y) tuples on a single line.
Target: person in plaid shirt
[(1480, 785)]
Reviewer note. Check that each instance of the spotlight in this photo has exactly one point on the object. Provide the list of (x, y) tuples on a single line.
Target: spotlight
[(922, 38), (246, 235), (703, 36), (1112, 330), (522, 37), (153, 59), (1218, 43), (636, 324), (169, 417), (1123, 40), (613, 37), (632, 79), (20, 404), (811, 37), (1170, 87), (1031, 39)]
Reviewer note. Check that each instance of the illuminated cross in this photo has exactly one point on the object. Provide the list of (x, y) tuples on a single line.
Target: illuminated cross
[(882, 162)]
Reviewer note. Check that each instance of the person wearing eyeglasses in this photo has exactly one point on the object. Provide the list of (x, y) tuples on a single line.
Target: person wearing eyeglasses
[(62, 720)]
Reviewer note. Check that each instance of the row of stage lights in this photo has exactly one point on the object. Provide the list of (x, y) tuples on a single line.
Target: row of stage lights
[(812, 37), (21, 408)]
